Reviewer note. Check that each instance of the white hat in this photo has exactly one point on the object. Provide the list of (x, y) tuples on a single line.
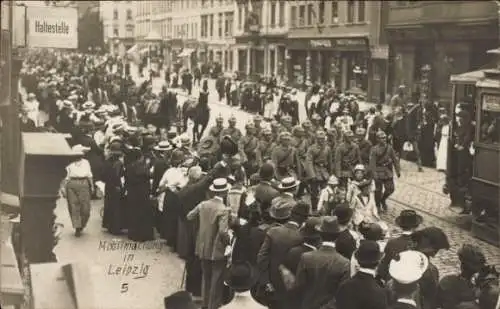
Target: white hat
[(409, 268), (359, 167), (333, 180), (220, 185), (80, 149), (288, 183)]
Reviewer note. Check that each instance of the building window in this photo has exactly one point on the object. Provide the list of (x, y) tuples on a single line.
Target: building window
[(240, 17), (273, 14), (293, 16), (204, 3), (335, 12), (361, 11), (282, 13), (321, 11), (130, 30), (204, 26), (302, 15), (211, 25), (115, 14), (350, 11), (129, 14), (115, 32), (228, 27), (220, 24), (311, 14)]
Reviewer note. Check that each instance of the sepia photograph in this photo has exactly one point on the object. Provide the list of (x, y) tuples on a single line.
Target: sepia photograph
[(250, 154)]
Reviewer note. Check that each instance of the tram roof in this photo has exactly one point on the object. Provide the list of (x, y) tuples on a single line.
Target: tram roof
[(468, 77)]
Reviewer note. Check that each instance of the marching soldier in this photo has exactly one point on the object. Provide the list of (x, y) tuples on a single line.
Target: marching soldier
[(266, 146), (346, 157), (286, 123), (248, 148), (364, 145), (318, 166), (257, 121), (332, 136), (284, 157), (310, 133), (232, 130), (316, 123), (217, 129), (301, 145), (275, 129), (382, 162)]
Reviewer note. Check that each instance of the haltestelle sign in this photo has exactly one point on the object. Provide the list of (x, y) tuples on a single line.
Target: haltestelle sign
[(52, 27)]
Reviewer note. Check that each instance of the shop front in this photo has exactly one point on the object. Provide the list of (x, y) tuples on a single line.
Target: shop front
[(341, 62), (260, 56)]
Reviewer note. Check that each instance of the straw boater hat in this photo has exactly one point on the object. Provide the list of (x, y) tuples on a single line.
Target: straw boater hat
[(163, 146), (88, 105), (220, 185), (409, 268), (288, 183)]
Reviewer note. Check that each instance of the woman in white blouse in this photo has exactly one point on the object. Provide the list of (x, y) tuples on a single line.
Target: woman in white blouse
[(77, 188)]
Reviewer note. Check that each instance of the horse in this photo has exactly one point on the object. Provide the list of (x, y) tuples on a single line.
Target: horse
[(198, 112)]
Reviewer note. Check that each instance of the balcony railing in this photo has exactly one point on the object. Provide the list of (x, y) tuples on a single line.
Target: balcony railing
[(421, 12)]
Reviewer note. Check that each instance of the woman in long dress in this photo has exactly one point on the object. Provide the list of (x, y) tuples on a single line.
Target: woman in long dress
[(140, 208), (114, 218), (442, 153), (77, 189)]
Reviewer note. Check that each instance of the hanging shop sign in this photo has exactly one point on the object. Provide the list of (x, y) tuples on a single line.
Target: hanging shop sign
[(52, 27)]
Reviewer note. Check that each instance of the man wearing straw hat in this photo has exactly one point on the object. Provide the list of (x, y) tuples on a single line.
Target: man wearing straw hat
[(213, 237)]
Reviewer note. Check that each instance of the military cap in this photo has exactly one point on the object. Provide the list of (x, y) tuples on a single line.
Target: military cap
[(249, 125), (316, 117), (381, 134), (306, 124), (232, 118), (285, 135), (298, 129), (320, 134), (257, 118), (348, 133), (266, 131), (219, 118), (286, 118), (360, 131)]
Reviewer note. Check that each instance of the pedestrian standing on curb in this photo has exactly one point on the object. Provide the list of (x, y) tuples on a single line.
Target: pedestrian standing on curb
[(77, 188), (213, 237)]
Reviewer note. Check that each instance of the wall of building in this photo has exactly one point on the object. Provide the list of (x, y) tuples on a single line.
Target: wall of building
[(118, 19)]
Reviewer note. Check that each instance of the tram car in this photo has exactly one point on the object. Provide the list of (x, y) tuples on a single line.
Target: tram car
[(473, 165)]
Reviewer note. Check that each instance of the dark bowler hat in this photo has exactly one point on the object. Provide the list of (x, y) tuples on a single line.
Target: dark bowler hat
[(409, 219), (308, 230), (228, 146), (368, 252), (179, 300), (329, 225), (344, 213), (302, 209), (241, 276)]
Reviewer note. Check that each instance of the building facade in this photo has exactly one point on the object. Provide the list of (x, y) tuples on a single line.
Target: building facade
[(450, 37), (118, 18), (340, 43), (260, 34)]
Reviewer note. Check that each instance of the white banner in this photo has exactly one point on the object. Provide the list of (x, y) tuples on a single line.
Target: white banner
[(52, 27)]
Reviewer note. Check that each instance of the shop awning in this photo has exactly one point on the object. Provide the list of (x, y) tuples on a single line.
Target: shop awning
[(186, 52)]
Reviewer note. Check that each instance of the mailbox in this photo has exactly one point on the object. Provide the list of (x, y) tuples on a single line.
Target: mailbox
[(44, 157)]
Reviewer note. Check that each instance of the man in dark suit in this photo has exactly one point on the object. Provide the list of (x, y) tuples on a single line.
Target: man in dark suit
[(373, 295), (346, 241), (408, 220), (264, 191), (276, 245), (211, 242), (321, 272)]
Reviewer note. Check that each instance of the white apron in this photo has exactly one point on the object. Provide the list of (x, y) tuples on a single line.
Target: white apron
[(442, 153)]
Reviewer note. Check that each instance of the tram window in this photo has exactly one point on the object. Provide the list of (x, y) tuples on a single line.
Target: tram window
[(490, 120)]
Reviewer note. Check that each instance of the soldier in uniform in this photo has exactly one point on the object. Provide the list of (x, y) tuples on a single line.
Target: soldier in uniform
[(284, 157), (301, 144), (307, 125), (318, 166), (346, 157), (383, 160), (232, 130), (275, 129), (364, 146), (217, 129), (316, 123), (332, 136), (266, 146), (248, 148), (257, 122), (208, 149), (286, 123)]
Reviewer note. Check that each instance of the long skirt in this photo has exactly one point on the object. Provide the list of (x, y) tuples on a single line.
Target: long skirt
[(115, 211), (78, 197)]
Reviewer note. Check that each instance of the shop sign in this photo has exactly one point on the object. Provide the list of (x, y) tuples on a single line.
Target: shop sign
[(52, 27), (491, 103), (336, 43)]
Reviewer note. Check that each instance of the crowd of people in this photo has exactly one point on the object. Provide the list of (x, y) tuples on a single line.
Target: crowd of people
[(287, 210)]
